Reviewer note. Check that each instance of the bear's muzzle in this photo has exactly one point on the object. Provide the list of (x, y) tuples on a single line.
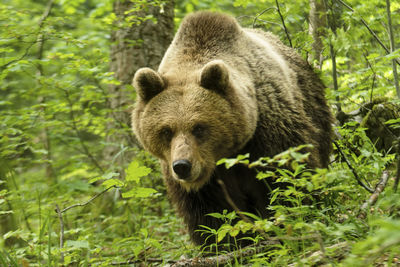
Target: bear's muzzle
[(182, 168)]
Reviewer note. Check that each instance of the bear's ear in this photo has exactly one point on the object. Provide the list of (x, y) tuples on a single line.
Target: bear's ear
[(148, 83), (215, 76)]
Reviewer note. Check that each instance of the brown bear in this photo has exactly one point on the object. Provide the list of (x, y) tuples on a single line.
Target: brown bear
[(222, 90)]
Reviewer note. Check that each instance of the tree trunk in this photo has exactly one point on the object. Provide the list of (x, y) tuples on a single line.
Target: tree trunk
[(137, 42), (316, 26), (392, 48)]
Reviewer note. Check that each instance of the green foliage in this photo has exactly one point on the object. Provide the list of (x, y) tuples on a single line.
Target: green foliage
[(319, 209), (55, 117)]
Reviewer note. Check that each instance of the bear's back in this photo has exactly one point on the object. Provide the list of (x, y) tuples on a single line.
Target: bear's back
[(207, 31)]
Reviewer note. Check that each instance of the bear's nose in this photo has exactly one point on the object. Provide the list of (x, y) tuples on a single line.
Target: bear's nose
[(182, 168)]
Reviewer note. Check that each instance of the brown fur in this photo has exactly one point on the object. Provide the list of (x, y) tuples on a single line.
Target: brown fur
[(222, 90)]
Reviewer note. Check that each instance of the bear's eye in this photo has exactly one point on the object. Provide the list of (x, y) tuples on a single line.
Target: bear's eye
[(199, 131), (166, 134)]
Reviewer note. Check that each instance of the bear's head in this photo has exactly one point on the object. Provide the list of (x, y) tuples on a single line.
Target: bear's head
[(190, 123)]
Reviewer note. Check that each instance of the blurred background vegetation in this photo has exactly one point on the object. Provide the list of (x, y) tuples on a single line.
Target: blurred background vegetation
[(65, 138)]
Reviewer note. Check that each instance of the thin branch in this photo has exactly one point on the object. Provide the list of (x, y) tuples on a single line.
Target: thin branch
[(283, 23), (261, 231), (78, 134), (373, 77), (369, 29), (392, 48), (3, 67), (374, 197), (39, 38), (131, 140), (258, 15), (237, 210), (352, 169), (90, 200), (61, 234), (231, 202), (46, 13)]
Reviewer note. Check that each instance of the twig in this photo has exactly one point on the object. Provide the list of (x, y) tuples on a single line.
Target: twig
[(60, 212), (258, 15), (131, 140), (373, 77), (39, 38), (238, 211), (283, 23), (3, 67), (231, 202), (392, 48), (352, 169), (61, 233), (261, 231), (78, 134), (90, 200), (374, 197), (369, 29)]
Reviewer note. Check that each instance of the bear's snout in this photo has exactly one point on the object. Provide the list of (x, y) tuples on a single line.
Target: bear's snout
[(182, 168)]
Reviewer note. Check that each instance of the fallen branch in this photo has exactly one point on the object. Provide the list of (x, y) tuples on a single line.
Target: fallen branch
[(222, 260), (352, 169), (374, 197), (317, 258), (252, 250)]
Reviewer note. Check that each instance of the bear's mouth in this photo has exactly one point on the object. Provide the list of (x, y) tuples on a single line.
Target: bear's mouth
[(195, 182)]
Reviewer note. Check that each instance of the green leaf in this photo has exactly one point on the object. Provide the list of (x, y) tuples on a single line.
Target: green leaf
[(139, 192), (113, 182), (77, 244), (216, 215), (240, 159), (134, 172)]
